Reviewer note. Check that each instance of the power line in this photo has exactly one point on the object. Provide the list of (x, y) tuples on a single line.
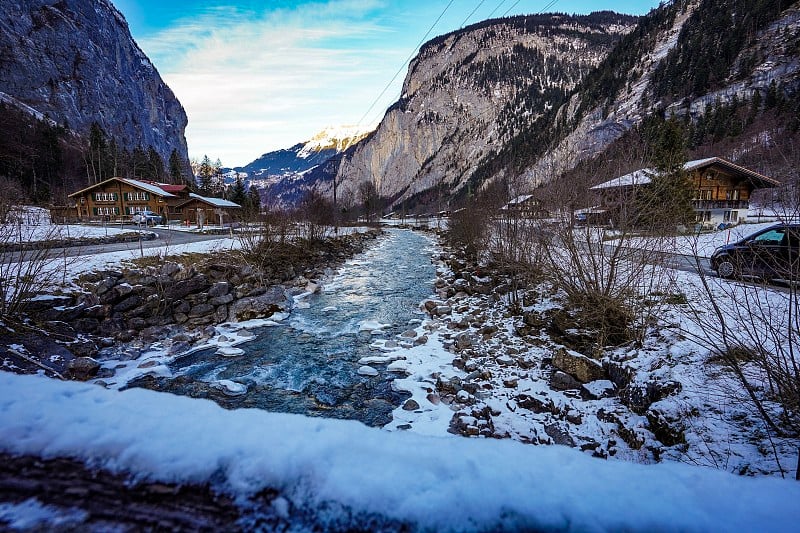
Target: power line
[(495, 9), (410, 57), (473, 12)]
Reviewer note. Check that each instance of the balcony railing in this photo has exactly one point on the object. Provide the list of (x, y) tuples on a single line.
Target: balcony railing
[(720, 204)]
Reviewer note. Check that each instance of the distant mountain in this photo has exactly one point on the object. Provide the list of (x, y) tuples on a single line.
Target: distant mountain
[(283, 175)]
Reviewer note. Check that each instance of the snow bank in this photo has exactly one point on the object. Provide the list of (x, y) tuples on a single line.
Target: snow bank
[(438, 483)]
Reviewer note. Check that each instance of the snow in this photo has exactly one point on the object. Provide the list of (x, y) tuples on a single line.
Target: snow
[(440, 483)]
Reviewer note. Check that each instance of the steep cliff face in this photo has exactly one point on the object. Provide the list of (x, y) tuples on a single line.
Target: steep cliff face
[(469, 92), (76, 62)]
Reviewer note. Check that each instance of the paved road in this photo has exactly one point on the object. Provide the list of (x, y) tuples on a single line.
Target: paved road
[(165, 237)]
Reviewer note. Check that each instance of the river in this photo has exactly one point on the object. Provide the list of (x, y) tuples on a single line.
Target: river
[(308, 363)]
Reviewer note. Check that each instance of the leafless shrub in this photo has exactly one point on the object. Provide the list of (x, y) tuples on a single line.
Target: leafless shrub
[(25, 270)]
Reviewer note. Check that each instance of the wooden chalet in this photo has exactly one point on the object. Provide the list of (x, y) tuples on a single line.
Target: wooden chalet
[(525, 206), (120, 198), (200, 210), (721, 190)]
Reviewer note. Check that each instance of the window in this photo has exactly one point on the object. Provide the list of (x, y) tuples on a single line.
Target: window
[(731, 216), (770, 238), (105, 197), (106, 211), (732, 194), (703, 216), (137, 196)]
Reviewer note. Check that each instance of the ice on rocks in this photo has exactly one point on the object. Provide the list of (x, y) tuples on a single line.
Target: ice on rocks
[(367, 371)]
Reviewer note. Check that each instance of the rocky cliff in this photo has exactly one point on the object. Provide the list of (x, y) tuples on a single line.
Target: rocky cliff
[(528, 98), (468, 93), (75, 62)]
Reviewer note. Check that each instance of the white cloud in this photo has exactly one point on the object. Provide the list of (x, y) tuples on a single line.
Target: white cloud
[(254, 82)]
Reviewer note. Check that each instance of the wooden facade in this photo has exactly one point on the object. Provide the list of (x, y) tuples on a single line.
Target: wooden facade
[(118, 199), (721, 190), (200, 210)]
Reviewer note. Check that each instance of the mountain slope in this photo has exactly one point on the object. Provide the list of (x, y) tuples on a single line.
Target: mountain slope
[(76, 62), (285, 176), (469, 92)]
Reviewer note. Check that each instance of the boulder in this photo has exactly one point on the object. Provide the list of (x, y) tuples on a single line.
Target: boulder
[(183, 288), (562, 381), (272, 301), (579, 366), (83, 368)]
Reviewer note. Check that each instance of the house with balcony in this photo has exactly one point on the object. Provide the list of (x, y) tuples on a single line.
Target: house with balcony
[(721, 191), (118, 199)]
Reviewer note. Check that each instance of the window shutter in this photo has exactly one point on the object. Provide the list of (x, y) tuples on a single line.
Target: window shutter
[(116, 210), (147, 196), (114, 196), (94, 211)]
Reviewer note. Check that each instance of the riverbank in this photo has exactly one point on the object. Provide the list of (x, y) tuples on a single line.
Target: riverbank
[(172, 299), (515, 365)]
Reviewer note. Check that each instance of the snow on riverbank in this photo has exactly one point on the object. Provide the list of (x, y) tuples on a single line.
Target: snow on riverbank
[(443, 484)]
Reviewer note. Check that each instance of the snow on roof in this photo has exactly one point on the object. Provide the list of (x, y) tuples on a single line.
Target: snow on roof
[(216, 202), (637, 177), (642, 176), (149, 187), (342, 470)]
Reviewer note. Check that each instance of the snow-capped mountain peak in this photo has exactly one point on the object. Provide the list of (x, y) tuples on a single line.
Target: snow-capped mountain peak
[(338, 138)]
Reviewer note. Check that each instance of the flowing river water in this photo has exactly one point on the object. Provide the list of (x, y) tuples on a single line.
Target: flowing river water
[(308, 363)]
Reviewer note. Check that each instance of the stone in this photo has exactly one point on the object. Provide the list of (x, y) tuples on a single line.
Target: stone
[(410, 405), (595, 390), (201, 310), (182, 289), (562, 381), (274, 300), (367, 371), (423, 339), (579, 366), (83, 368)]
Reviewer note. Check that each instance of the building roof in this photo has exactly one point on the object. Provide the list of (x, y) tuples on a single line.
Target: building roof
[(634, 179), (518, 201), (172, 188), (149, 187), (215, 202), (643, 176)]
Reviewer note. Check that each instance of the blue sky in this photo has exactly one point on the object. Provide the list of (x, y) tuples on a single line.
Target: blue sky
[(259, 76)]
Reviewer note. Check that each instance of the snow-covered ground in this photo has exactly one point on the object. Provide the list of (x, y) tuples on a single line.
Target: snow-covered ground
[(414, 470), (334, 466)]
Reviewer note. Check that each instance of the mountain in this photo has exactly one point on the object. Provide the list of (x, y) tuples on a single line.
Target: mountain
[(75, 63), (468, 93), (525, 100), (284, 176)]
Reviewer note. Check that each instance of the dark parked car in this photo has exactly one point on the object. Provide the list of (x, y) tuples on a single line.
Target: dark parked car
[(772, 253)]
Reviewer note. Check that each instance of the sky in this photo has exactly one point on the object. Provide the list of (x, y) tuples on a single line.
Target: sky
[(257, 76)]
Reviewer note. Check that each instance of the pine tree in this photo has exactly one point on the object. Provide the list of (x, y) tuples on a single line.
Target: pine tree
[(175, 168), (205, 176)]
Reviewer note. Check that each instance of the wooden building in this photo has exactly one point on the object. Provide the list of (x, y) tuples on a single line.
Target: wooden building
[(201, 210), (721, 190), (118, 199)]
